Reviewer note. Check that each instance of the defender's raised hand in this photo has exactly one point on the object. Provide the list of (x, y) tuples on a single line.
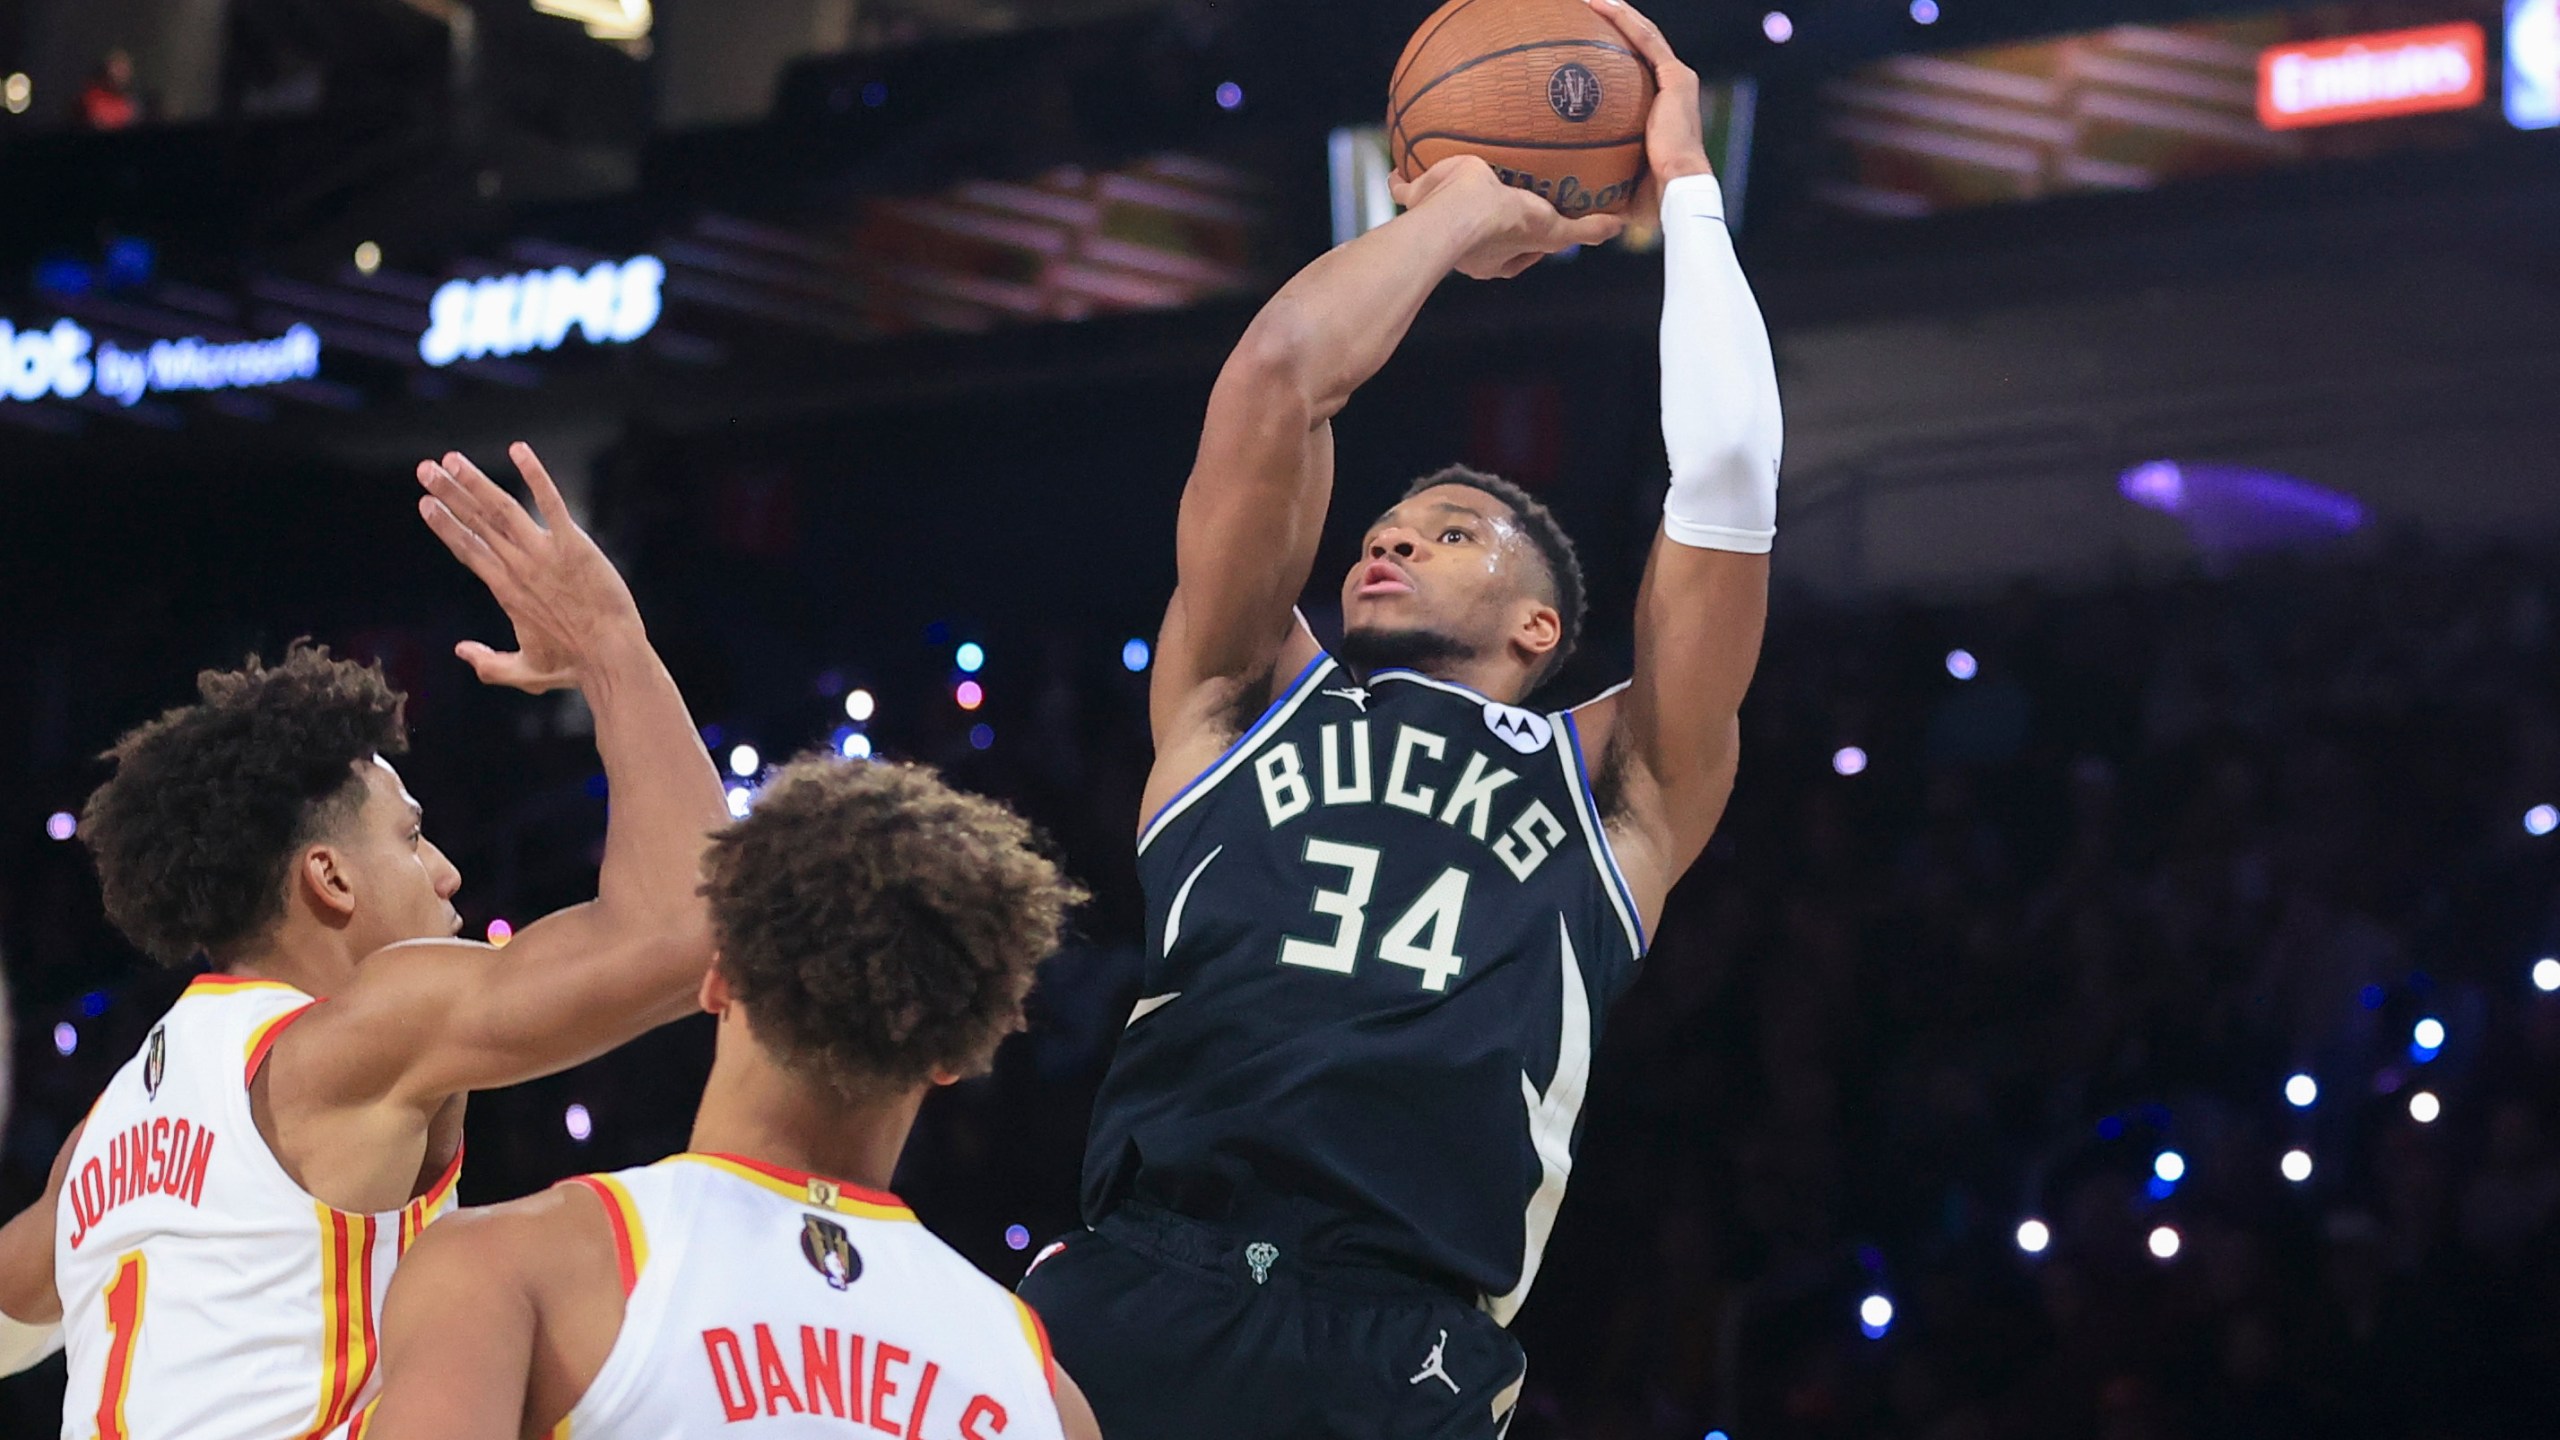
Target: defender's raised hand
[(1514, 229), (1675, 138), (561, 594)]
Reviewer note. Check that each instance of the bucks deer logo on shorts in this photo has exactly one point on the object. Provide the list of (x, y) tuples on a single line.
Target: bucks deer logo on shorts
[(1574, 92), (829, 1251), (155, 1061)]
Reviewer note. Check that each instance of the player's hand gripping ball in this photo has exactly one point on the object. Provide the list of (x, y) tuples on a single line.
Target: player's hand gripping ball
[(1548, 92)]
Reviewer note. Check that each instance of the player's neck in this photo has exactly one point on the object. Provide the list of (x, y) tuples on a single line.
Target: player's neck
[(313, 960), (1492, 677), (757, 1110)]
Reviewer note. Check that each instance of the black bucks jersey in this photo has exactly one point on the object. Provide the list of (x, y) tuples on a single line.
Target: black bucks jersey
[(1382, 931)]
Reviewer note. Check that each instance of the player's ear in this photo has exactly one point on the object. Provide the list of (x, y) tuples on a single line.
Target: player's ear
[(944, 1077), (1538, 632), (714, 995), (325, 882)]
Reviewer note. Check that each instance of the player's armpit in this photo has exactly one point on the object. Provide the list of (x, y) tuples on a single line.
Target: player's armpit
[(27, 1293), (1075, 1414), (457, 1337), (1668, 744)]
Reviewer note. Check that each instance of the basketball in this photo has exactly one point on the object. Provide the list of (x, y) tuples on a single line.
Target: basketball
[(1547, 91)]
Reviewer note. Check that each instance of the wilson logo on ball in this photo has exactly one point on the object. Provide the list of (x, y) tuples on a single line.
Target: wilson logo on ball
[(1574, 92)]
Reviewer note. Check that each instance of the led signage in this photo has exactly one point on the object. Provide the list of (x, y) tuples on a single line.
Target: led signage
[(610, 304), (2368, 77), (65, 361)]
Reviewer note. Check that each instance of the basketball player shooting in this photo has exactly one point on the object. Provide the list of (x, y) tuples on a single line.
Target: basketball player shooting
[(217, 1236), (1388, 906), (877, 932)]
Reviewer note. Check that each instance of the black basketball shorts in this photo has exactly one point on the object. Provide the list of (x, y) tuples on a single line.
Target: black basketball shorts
[(1179, 1331)]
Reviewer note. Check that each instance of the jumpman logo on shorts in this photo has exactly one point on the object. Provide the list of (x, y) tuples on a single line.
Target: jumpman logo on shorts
[(1433, 1369)]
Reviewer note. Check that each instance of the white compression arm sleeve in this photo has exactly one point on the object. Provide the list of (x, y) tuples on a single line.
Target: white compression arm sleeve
[(1720, 419), (22, 1345)]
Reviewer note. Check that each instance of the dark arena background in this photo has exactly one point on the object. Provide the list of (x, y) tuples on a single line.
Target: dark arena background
[(2122, 1000)]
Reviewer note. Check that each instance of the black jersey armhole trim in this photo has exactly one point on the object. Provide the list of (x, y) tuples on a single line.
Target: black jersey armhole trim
[(1293, 691), (1587, 804)]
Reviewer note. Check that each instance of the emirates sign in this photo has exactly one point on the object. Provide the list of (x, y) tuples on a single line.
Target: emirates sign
[(2368, 77)]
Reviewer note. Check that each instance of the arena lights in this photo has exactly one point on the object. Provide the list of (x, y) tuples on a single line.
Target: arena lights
[(744, 761), (2546, 974), (2164, 1242), (1875, 1316), (2169, 1166), (971, 657), (2295, 1166), (1230, 95), (578, 1122), (2533, 64), (66, 1037), (94, 1004), (1777, 27), (17, 93), (969, 694), (2424, 1107), (875, 93), (859, 705), (2425, 1039), (1924, 12), (1718, 1435), (2034, 1236), (1848, 760), (2301, 1091), (741, 800), (500, 932), (1016, 1238), (1136, 655), (856, 746), (61, 825), (1962, 665), (981, 736), (2541, 820), (368, 258)]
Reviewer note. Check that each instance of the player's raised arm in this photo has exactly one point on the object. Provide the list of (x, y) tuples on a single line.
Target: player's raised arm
[(30, 1307), (1255, 504), (427, 1020), (1672, 735)]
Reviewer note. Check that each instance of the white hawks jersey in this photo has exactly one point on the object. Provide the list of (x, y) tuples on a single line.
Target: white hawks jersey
[(206, 1295), (787, 1305)]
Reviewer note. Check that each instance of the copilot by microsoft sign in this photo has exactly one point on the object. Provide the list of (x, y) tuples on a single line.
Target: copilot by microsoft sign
[(64, 360)]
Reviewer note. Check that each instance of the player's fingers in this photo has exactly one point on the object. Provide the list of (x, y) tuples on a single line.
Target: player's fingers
[(1640, 32), (546, 495), (1594, 229), (461, 539), (500, 517)]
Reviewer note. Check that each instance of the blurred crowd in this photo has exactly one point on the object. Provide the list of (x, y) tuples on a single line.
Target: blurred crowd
[(2014, 898)]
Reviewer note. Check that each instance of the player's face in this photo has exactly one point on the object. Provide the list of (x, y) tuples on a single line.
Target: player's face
[(404, 885), (1451, 562)]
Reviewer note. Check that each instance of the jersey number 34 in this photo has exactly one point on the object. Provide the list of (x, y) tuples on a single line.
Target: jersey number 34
[(1424, 937)]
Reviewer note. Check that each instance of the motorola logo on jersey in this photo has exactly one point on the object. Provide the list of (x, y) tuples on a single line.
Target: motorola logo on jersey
[(829, 1251), (155, 1061), (1574, 93), (1522, 730)]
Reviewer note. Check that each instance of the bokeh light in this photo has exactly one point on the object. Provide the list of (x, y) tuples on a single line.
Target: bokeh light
[(741, 800), (579, 1123), (500, 932), (1016, 1238), (1962, 665), (1777, 27), (2034, 1236), (1848, 760), (969, 694), (2296, 1165), (2169, 1165), (971, 657), (66, 1037), (2546, 974), (2301, 1091), (2164, 1242), (744, 761), (859, 705), (1136, 655), (1924, 12), (2424, 1107), (856, 746), (2541, 820), (1875, 1316), (1230, 95), (61, 825)]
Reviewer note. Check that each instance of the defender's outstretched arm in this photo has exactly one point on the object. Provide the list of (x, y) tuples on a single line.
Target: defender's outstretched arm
[(429, 1020), (1673, 740), (1255, 505)]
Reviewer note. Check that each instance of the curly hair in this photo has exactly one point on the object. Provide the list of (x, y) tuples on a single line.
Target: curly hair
[(879, 925), (196, 831), (1565, 588)]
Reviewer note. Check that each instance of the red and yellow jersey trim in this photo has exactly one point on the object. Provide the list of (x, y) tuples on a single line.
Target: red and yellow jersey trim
[(263, 1039), (232, 984), (630, 1237), (416, 1215), (347, 1338), (1038, 1335), (840, 1196)]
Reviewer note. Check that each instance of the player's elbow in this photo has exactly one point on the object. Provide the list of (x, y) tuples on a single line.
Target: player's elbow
[(1279, 361)]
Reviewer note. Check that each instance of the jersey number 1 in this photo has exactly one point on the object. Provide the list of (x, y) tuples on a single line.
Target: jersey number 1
[(1425, 937), (124, 1326)]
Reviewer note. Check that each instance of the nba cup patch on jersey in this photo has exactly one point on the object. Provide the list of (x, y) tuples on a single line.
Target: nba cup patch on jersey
[(829, 1251)]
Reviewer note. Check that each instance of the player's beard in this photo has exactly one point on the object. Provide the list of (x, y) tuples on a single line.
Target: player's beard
[(1372, 649)]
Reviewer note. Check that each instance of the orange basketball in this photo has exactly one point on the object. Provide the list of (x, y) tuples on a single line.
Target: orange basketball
[(1547, 91)]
